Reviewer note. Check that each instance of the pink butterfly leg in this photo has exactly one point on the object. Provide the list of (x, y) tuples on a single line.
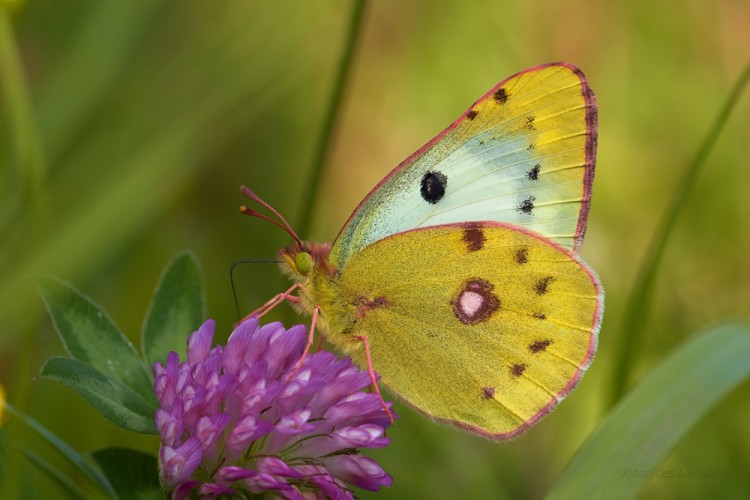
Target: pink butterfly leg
[(373, 378), (276, 300), (310, 338)]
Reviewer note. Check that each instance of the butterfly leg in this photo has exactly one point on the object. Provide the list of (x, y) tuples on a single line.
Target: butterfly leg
[(276, 300), (373, 378), (310, 338)]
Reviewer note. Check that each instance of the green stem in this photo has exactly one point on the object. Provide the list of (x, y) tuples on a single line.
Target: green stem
[(636, 309), (325, 141), (29, 157)]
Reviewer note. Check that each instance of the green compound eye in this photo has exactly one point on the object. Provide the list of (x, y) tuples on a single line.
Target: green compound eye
[(304, 262)]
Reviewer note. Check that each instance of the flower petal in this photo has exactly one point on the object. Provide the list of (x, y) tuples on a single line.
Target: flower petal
[(261, 483), (178, 464), (183, 491), (231, 473), (211, 490), (237, 345), (240, 405), (358, 470), (199, 343), (276, 467)]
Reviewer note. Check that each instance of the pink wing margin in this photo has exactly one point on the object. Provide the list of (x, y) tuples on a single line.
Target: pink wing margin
[(589, 162)]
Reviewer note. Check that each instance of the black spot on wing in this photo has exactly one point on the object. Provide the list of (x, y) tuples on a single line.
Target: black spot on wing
[(530, 123), (474, 238), (433, 187), (533, 173), (542, 286), (527, 205), (472, 114), (539, 346), (517, 370), (501, 96), (522, 255)]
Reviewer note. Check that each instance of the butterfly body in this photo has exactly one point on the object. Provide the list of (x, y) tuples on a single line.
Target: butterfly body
[(461, 269)]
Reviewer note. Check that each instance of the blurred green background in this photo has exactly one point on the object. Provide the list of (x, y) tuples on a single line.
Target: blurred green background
[(148, 115)]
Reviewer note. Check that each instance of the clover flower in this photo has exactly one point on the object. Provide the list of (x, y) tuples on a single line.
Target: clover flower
[(240, 419)]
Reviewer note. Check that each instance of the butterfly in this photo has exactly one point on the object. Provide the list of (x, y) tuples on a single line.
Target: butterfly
[(458, 277)]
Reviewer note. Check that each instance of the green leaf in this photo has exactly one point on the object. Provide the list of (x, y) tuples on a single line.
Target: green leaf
[(113, 399), (639, 433), (90, 336), (177, 309), (133, 474)]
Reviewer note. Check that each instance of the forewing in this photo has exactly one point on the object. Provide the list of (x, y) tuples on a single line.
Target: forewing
[(481, 325), (522, 154)]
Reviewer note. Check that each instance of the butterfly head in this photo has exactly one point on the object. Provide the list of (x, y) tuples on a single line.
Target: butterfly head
[(302, 259)]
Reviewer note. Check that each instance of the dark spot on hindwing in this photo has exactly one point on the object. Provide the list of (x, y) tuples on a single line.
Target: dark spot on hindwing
[(365, 305), (522, 255), (433, 186), (517, 370), (530, 123), (527, 205), (472, 114), (475, 302), (533, 173), (539, 346), (539, 315), (542, 286), (474, 238), (501, 96), (488, 392)]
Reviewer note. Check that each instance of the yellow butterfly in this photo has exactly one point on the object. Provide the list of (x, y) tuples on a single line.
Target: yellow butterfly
[(457, 278)]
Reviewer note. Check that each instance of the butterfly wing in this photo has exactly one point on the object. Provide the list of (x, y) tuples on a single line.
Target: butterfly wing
[(523, 154), (480, 325)]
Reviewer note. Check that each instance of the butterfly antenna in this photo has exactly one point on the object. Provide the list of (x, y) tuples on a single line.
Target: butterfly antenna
[(231, 277), (253, 213)]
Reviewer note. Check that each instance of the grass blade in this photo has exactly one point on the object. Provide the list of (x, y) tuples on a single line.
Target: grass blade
[(75, 458), (323, 147), (65, 483), (636, 309), (639, 433)]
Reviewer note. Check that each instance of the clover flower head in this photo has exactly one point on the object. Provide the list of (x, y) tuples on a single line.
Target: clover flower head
[(244, 419)]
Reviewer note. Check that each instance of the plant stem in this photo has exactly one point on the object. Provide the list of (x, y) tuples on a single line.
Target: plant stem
[(636, 309), (323, 147)]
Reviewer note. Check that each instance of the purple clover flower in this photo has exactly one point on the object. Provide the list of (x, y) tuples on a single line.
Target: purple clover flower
[(232, 421)]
